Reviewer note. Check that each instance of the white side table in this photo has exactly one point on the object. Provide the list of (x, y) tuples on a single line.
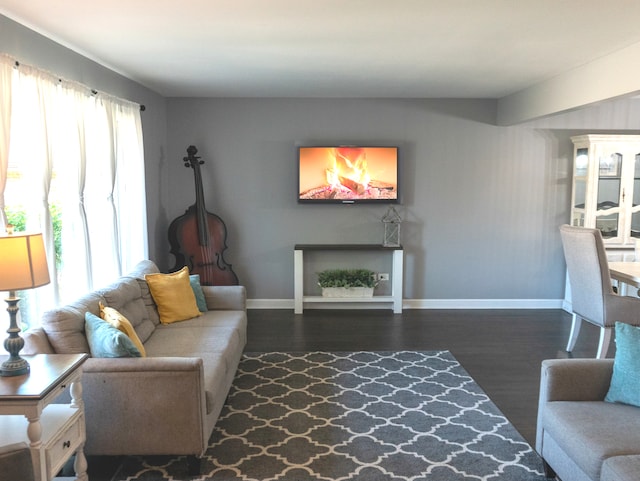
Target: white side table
[(53, 431)]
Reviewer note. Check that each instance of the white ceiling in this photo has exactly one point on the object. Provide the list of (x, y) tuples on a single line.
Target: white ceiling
[(337, 48)]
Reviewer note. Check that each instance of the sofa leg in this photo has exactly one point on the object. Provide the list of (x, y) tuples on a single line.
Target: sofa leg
[(194, 465), (549, 473)]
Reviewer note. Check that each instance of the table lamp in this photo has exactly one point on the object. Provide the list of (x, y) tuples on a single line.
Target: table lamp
[(23, 265)]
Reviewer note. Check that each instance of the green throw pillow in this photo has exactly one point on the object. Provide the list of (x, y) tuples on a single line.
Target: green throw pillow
[(107, 341), (625, 382), (194, 280)]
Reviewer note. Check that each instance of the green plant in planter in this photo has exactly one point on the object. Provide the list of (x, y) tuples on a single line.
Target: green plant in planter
[(347, 278)]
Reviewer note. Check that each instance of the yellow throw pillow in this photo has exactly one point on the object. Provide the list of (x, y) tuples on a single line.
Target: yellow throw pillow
[(173, 295), (121, 323)]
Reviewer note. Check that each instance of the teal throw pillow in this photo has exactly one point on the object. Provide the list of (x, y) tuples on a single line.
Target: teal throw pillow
[(107, 341), (194, 280), (625, 382)]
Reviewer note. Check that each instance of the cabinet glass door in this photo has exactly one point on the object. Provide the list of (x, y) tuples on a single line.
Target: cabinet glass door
[(635, 207), (609, 186), (580, 187)]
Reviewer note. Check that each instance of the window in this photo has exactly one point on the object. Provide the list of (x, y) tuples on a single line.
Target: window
[(71, 167)]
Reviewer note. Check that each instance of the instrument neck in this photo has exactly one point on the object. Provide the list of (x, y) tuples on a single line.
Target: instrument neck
[(201, 211)]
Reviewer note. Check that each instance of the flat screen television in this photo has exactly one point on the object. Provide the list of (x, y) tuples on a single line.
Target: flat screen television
[(348, 175)]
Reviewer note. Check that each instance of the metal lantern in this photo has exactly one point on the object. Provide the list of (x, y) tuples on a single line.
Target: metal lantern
[(392, 223)]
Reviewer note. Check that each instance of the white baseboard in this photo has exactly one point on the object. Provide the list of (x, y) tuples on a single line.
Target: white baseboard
[(482, 304), (269, 303), (425, 304)]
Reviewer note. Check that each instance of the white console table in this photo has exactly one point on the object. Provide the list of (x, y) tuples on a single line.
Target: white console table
[(395, 299)]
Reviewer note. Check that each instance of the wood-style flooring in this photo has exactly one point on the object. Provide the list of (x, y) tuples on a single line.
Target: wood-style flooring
[(501, 349)]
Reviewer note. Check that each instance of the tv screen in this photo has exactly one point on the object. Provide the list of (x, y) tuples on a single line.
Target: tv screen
[(348, 174)]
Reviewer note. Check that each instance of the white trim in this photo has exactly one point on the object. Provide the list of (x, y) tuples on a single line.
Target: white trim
[(269, 303), (483, 303), (426, 304)]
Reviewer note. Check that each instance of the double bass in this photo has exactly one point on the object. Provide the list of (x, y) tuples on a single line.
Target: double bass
[(198, 238)]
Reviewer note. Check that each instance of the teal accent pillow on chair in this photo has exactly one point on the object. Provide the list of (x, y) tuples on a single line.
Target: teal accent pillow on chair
[(107, 341), (625, 382)]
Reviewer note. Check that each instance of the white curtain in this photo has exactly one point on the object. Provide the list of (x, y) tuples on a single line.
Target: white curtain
[(6, 76), (79, 153)]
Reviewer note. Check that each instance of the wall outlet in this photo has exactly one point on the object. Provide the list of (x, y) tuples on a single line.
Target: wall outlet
[(383, 276)]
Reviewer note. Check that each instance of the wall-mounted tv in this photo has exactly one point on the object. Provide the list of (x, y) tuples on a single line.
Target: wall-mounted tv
[(348, 175)]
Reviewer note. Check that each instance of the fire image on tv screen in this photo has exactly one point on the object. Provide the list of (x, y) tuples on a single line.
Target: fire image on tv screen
[(348, 174)]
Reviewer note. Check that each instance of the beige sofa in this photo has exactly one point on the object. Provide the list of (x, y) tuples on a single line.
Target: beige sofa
[(580, 436), (168, 402)]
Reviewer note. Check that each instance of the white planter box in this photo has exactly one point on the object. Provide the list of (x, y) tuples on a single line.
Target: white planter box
[(347, 292)]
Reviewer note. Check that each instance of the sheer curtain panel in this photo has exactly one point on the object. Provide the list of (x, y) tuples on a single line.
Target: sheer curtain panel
[(72, 161)]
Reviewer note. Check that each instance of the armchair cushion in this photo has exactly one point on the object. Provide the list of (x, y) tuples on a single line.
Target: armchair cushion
[(590, 432), (625, 381)]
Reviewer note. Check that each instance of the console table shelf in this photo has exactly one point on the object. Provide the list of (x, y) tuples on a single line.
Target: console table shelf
[(395, 299)]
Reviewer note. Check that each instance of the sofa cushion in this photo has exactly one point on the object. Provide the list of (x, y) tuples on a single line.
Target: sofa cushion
[(592, 431), (143, 268), (120, 322), (125, 296), (233, 319), (149, 303), (107, 341), (173, 295), (65, 325), (621, 468), (625, 381), (187, 341), (138, 272)]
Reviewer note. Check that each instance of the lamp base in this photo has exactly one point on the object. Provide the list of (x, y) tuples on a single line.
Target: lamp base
[(14, 367)]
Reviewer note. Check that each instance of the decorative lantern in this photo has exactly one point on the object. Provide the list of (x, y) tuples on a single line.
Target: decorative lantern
[(391, 222)]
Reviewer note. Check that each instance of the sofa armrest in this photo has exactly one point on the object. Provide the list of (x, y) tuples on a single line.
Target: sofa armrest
[(225, 298), (571, 380), (140, 364), (36, 342), (144, 406), (575, 379)]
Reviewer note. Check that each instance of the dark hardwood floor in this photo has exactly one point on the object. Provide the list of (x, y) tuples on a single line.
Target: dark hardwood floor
[(501, 349)]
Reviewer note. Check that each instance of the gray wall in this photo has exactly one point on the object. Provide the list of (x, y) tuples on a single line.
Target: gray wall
[(481, 203)]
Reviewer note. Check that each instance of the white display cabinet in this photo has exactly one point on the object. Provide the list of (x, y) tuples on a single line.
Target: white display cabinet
[(606, 190)]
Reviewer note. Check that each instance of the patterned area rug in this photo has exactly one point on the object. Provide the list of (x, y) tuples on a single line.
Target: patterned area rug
[(366, 416)]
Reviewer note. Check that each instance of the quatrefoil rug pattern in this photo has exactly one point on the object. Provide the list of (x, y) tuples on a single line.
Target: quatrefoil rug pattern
[(365, 416)]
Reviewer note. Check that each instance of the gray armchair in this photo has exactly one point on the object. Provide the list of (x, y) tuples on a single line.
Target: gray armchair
[(592, 295), (581, 437), (15, 463)]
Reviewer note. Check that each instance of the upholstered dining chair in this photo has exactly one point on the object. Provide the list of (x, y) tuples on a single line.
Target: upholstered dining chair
[(592, 295)]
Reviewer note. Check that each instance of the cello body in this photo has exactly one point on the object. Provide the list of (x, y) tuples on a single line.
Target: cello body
[(198, 238)]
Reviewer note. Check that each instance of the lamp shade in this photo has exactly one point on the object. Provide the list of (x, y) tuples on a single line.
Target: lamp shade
[(23, 262)]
